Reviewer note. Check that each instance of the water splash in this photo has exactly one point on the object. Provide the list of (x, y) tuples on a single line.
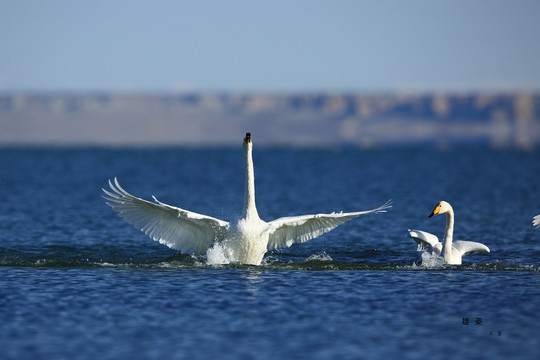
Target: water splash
[(219, 254), (432, 261), (322, 256)]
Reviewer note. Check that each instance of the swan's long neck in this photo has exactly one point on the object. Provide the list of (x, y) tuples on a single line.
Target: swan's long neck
[(449, 232), (250, 210)]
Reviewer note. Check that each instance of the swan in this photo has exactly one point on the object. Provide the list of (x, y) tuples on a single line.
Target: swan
[(452, 251), (536, 221), (246, 240)]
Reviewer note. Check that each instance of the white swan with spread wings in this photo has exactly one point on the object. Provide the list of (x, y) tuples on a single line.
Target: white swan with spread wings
[(452, 251), (247, 240)]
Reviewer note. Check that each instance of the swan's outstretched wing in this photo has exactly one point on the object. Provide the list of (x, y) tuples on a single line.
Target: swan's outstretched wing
[(179, 229), (284, 232), (536, 221), (469, 247), (426, 241)]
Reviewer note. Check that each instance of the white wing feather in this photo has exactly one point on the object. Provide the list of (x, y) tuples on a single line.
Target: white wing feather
[(536, 221), (177, 228), (284, 232), (469, 247), (426, 241), (423, 238)]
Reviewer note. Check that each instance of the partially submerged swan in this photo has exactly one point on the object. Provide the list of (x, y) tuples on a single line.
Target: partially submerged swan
[(536, 221), (245, 241), (452, 251)]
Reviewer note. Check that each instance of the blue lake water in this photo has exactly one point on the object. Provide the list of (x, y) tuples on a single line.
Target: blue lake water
[(77, 282)]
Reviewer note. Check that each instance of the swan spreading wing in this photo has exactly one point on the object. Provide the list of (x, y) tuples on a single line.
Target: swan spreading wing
[(248, 239), (177, 228), (284, 232), (432, 243), (451, 251)]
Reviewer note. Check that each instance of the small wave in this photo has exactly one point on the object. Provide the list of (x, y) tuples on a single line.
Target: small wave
[(270, 260), (217, 259), (105, 264)]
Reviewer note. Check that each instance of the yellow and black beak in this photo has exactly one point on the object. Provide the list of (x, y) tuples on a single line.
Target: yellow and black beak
[(436, 210), (247, 139)]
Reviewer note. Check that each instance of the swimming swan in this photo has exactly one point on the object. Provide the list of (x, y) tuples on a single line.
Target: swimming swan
[(246, 240), (536, 221), (452, 251)]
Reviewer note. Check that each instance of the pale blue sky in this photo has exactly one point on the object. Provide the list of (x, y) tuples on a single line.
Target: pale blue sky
[(269, 46)]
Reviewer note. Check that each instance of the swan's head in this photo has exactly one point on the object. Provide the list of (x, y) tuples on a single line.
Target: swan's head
[(441, 208), (247, 142)]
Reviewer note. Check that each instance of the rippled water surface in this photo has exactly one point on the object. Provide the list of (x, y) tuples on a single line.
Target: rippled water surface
[(78, 282)]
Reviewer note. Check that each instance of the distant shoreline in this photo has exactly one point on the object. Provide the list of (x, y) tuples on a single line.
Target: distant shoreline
[(492, 119)]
